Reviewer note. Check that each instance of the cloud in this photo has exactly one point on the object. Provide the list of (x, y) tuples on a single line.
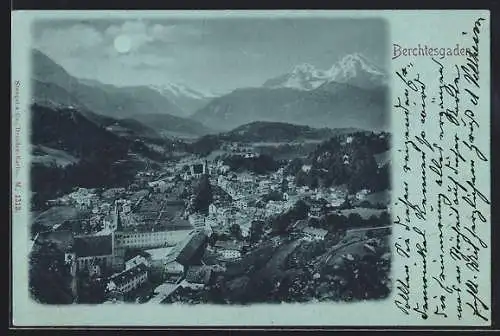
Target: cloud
[(73, 39), (88, 42), (136, 31), (142, 32)]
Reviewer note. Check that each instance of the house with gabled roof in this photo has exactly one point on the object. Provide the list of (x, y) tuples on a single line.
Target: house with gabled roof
[(128, 280)]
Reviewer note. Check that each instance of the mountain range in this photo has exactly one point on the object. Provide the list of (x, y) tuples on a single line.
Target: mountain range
[(54, 87), (54, 83), (81, 125), (187, 99), (354, 69), (352, 93)]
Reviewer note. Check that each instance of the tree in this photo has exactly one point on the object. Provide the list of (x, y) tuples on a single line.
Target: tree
[(49, 277), (355, 220), (273, 195), (235, 231), (373, 221), (203, 195), (91, 290), (281, 222), (284, 185), (256, 230), (384, 219)]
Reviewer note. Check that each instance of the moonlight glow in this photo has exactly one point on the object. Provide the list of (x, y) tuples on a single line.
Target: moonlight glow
[(122, 44)]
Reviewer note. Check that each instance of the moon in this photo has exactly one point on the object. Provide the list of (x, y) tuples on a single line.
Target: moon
[(122, 44)]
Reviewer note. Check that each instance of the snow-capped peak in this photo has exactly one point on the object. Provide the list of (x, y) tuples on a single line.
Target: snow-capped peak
[(353, 66), (354, 69), (180, 90), (304, 68)]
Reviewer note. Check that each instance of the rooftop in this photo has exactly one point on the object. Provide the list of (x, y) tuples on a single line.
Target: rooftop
[(186, 249), (198, 274), (150, 227), (152, 205), (159, 253), (311, 230), (123, 277), (86, 246), (136, 260), (198, 168), (301, 224), (228, 245)]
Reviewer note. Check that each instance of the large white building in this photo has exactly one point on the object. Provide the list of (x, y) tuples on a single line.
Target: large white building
[(197, 220), (228, 250), (128, 280), (149, 238), (315, 233)]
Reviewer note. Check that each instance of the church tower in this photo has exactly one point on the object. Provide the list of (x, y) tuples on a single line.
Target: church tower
[(118, 226), (205, 168)]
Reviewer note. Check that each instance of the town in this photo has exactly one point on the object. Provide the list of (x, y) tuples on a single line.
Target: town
[(178, 234)]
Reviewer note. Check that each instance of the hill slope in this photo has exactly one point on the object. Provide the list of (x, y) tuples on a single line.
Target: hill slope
[(109, 100), (334, 105), (69, 150), (262, 131)]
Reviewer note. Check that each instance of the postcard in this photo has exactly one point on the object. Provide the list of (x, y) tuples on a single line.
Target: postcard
[(251, 168)]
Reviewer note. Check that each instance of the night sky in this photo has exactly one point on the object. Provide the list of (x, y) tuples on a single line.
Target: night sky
[(209, 54)]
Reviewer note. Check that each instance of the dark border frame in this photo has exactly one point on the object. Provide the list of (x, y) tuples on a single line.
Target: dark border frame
[(493, 6)]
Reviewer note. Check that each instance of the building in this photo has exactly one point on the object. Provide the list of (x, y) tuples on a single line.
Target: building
[(196, 170), (162, 292), (315, 233), (211, 221), (300, 225), (315, 210), (158, 186), (108, 223), (173, 268), (228, 250), (306, 168), (197, 275), (124, 206), (95, 270), (128, 280), (70, 262), (190, 250), (361, 195), (366, 233), (264, 187), (241, 204), (149, 238), (208, 228), (212, 209), (84, 198), (137, 260), (113, 221), (197, 220), (156, 260), (246, 178), (94, 250), (113, 193)]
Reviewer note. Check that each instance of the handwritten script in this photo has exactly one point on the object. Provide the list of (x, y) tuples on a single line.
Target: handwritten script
[(442, 198)]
